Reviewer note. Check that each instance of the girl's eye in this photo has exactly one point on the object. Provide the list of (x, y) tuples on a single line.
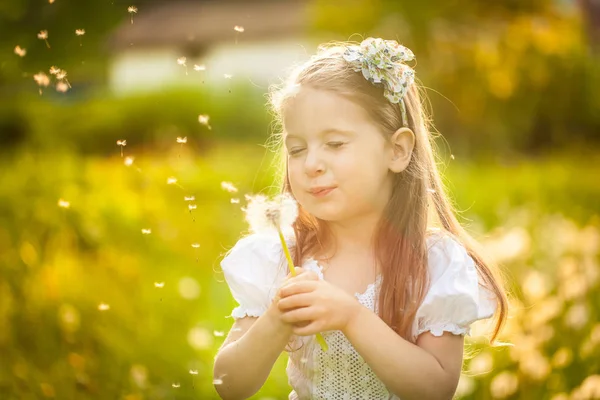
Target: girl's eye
[(293, 152), (335, 145)]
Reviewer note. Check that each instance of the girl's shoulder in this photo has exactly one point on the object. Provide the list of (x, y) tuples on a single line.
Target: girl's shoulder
[(444, 250)]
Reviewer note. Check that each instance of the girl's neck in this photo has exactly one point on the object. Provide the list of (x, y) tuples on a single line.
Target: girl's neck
[(352, 237)]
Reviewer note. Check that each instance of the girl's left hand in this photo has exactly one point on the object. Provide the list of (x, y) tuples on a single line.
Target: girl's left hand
[(325, 306)]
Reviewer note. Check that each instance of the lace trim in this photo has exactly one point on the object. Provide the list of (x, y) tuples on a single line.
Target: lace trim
[(241, 312), (439, 329)]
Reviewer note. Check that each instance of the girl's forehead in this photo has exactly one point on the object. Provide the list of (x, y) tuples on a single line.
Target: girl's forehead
[(315, 111)]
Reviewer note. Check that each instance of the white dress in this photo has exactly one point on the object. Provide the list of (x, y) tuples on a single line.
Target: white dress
[(255, 268)]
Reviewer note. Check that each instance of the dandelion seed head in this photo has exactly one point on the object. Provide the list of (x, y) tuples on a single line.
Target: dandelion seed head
[(103, 307), (265, 215), (171, 180), (20, 51), (181, 60), (182, 139), (132, 9), (80, 32), (43, 35), (238, 28), (159, 284), (146, 231), (199, 67), (128, 161), (228, 186), (63, 203)]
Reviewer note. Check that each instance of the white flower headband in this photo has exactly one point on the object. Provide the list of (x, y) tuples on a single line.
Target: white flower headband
[(382, 62)]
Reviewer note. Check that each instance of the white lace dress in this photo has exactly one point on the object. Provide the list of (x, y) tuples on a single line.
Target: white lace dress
[(254, 269)]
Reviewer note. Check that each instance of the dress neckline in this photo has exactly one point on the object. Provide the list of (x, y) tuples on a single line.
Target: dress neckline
[(359, 295)]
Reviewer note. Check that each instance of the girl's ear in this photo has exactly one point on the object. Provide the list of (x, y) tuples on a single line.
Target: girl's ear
[(403, 143)]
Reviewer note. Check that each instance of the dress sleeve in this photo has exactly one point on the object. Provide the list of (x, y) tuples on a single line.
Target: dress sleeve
[(455, 299), (254, 270)]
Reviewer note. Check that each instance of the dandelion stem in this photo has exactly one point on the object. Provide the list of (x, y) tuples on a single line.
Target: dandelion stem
[(286, 251)]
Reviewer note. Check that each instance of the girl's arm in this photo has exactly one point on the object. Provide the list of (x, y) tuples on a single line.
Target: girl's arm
[(427, 371), (246, 358)]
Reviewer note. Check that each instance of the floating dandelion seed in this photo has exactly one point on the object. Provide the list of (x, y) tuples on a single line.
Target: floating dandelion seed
[(176, 385), (235, 201), (192, 207), (199, 67), (42, 80), (182, 61), (61, 75), (62, 87), (452, 156), (132, 10), (228, 186), (63, 203), (80, 33), (54, 70), (227, 76), (264, 215), (20, 51), (238, 29), (218, 333), (182, 140), (217, 381), (196, 246), (103, 307), (51, 1), (43, 35), (146, 231), (203, 119), (171, 180), (122, 143), (193, 371), (189, 198), (128, 161), (431, 190), (159, 284)]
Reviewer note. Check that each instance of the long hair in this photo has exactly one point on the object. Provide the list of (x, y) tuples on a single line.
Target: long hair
[(417, 203)]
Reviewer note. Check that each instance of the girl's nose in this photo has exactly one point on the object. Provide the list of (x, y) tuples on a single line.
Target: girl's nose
[(314, 164)]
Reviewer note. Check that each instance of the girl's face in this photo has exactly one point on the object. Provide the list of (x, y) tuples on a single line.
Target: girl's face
[(330, 141)]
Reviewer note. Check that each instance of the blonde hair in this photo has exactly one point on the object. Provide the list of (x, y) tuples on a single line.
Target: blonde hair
[(417, 203)]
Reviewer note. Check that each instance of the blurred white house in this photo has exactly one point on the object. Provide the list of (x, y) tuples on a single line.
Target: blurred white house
[(145, 53)]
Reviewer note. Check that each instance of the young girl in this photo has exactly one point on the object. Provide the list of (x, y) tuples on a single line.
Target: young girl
[(388, 276)]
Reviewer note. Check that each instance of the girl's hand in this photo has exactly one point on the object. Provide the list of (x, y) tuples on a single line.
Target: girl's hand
[(274, 311), (325, 306)]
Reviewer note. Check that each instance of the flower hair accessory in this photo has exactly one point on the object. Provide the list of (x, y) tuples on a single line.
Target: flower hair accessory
[(382, 62)]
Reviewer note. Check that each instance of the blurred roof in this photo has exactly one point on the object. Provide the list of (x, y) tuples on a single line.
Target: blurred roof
[(196, 24)]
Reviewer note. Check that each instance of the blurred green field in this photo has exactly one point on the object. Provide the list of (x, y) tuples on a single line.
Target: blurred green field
[(84, 314)]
